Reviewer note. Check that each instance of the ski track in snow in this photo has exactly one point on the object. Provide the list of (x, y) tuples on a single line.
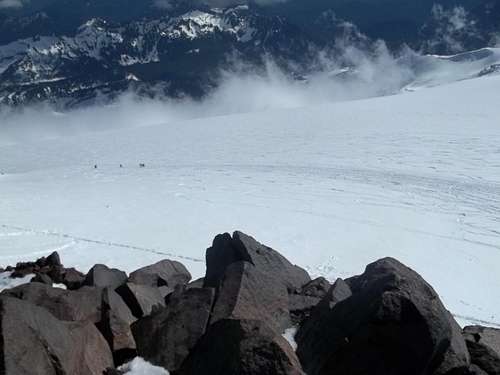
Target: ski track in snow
[(413, 176)]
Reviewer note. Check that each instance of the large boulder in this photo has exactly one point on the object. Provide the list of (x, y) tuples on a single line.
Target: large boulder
[(226, 250), (72, 278), (484, 348), (304, 300), (79, 305), (50, 266), (250, 294), (318, 288), (243, 347), (42, 278), (311, 327), (164, 273), (141, 299), (103, 307), (103, 277), (166, 337), (300, 307), (116, 319), (394, 323), (34, 342)]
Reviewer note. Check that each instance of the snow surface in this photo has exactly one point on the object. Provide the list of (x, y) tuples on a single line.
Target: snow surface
[(334, 187)]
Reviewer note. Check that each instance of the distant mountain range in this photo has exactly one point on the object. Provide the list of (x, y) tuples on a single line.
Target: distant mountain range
[(72, 52)]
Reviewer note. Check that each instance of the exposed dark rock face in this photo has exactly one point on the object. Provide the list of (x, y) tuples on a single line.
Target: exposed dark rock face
[(46, 266), (79, 305), (226, 250), (304, 300), (166, 337), (42, 278), (198, 283), (484, 347), (245, 347), (72, 278), (394, 323), (141, 299), (104, 277), (103, 307), (312, 327), (476, 370), (116, 319), (318, 288), (247, 292), (34, 342), (164, 273), (300, 307)]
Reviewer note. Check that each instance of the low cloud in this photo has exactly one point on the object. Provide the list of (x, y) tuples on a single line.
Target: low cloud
[(453, 27), (6, 4), (346, 74), (242, 88)]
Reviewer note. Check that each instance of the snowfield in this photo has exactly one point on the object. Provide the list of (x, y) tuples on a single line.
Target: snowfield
[(415, 176)]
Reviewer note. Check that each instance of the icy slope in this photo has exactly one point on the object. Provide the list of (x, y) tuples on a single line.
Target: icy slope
[(415, 176)]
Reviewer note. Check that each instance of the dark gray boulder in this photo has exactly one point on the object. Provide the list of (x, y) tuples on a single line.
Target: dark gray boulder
[(166, 337), (338, 292), (72, 278), (311, 328), (103, 307), (243, 347), (115, 322), (394, 323), (141, 299), (50, 266), (42, 278), (306, 298), (300, 307), (318, 288), (79, 305), (103, 277), (53, 260), (484, 347), (198, 283), (164, 273), (476, 370), (248, 293), (34, 342), (226, 250)]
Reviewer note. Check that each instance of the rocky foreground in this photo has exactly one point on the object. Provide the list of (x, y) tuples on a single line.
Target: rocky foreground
[(386, 321)]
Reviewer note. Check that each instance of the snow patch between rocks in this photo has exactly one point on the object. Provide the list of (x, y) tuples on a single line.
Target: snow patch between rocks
[(6, 282), (139, 366), (289, 336)]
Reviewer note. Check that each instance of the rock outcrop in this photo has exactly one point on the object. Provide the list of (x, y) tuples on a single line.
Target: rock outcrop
[(386, 321), (393, 323)]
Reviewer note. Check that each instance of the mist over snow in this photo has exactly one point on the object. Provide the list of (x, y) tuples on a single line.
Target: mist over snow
[(350, 75)]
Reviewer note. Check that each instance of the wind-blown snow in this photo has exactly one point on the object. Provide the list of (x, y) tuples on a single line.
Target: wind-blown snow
[(415, 176), (6, 282)]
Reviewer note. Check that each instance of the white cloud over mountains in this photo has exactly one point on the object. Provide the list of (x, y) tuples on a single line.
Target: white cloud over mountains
[(6, 4)]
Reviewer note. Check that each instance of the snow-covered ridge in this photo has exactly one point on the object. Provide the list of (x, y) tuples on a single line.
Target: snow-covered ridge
[(137, 41), (435, 70), (107, 53)]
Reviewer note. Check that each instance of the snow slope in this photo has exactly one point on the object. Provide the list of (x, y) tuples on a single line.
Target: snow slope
[(415, 176)]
